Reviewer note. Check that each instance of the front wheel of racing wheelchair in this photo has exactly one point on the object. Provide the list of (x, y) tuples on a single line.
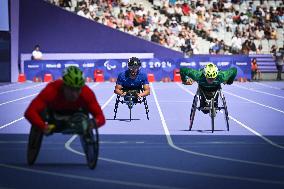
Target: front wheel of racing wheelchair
[(131, 99), (78, 123), (211, 107)]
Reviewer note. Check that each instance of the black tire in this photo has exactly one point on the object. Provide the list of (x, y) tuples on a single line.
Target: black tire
[(34, 144), (193, 110), (146, 107), (147, 115), (116, 107), (90, 143), (226, 112), (212, 113), (130, 113)]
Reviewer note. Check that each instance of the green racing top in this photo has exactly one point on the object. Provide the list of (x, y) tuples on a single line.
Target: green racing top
[(226, 77)]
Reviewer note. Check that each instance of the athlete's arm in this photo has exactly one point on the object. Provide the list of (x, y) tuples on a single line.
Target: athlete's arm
[(228, 76), (118, 87), (188, 75), (146, 91), (37, 106), (146, 87), (94, 107), (118, 90)]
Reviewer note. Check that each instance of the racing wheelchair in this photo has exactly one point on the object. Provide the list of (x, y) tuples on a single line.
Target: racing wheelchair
[(77, 123), (131, 99), (207, 102)]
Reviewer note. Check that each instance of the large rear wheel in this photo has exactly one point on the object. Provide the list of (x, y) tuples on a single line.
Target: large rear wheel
[(193, 110), (90, 143), (226, 114), (212, 113), (34, 144)]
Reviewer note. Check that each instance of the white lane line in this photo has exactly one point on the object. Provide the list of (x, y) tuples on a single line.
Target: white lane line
[(170, 142), (258, 91), (102, 180), (10, 85), (12, 122), (20, 89), (195, 173), (7, 102), (269, 86), (263, 105), (6, 125), (257, 133), (245, 126), (148, 144), (56, 143)]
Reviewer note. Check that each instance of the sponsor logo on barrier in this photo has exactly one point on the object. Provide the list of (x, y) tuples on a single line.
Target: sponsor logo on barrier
[(204, 63), (88, 65), (241, 63), (223, 63), (53, 65), (108, 66), (33, 66), (71, 64), (192, 64)]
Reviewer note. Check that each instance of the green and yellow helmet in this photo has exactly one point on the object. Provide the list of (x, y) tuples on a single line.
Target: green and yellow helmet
[(73, 77), (211, 71)]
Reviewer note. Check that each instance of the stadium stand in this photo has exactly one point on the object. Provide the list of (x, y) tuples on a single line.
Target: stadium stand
[(196, 26)]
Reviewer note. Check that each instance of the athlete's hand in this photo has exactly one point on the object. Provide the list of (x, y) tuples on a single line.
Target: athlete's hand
[(139, 95), (123, 94), (189, 81), (49, 129)]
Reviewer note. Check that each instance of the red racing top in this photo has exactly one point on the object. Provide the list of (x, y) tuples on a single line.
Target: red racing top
[(52, 97)]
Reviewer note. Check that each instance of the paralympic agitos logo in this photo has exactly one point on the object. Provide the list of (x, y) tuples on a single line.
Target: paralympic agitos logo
[(109, 66)]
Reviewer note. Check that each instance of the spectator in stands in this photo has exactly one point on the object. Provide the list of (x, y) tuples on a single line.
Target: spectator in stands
[(155, 37), (259, 49), (66, 4), (227, 6), (280, 19), (245, 47), (252, 47), (273, 49), (259, 33), (36, 54), (257, 13), (185, 9), (267, 32), (273, 34), (244, 18), (236, 44), (237, 17), (255, 73), (279, 59)]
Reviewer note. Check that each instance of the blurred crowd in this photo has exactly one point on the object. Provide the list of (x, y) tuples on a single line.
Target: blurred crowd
[(179, 24)]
